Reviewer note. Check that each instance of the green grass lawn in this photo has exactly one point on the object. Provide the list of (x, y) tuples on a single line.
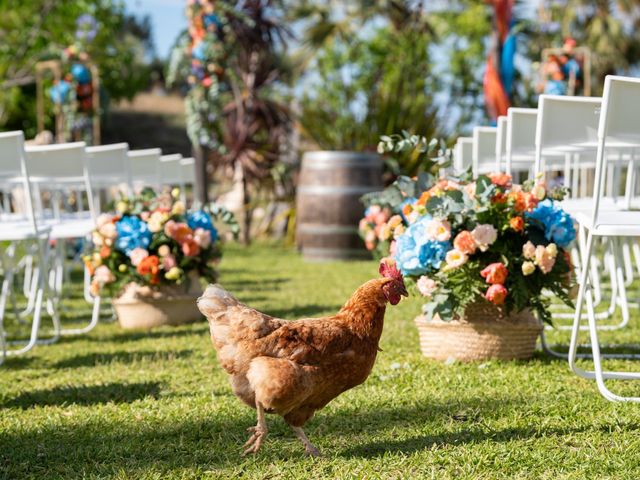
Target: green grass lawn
[(132, 405)]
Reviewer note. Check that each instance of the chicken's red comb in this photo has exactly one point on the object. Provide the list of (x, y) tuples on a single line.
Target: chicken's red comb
[(389, 269)]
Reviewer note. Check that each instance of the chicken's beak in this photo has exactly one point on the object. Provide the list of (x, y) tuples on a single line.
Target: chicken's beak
[(404, 290)]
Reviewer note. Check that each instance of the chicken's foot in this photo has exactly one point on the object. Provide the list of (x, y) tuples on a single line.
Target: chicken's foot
[(259, 432), (308, 446)]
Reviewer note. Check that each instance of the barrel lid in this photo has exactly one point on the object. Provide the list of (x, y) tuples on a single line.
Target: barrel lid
[(324, 158)]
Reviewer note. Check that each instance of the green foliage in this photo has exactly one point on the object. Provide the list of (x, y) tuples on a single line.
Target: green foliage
[(40, 29)]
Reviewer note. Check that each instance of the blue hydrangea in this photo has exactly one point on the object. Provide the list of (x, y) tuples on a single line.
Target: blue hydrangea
[(557, 224), (415, 254), (132, 233), (201, 219)]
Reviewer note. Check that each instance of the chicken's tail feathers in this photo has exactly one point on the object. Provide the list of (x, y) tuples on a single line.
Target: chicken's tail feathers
[(216, 300)]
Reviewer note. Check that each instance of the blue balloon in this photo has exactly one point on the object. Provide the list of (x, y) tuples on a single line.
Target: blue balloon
[(60, 92), (507, 67), (80, 73), (198, 51)]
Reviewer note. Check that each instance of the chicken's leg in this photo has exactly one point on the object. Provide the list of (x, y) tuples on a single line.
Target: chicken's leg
[(259, 432), (308, 446)]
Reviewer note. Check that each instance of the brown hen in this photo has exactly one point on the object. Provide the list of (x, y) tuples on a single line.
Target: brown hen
[(293, 368)]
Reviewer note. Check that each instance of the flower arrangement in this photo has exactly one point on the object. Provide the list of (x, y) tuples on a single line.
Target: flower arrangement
[(487, 240), (152, 241)]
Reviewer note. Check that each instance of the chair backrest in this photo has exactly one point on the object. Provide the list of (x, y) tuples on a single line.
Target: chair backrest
[(108, 165), (60, 167), (171, 170), (620, 107), (14, 167), (501, 140), (566, 124), (484, 150), (521, 135), (145, 167), (57, 164), (463, 154), (617, 125)]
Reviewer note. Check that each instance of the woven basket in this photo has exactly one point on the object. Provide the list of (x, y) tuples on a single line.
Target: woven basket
[(142, 307), (484, 333)]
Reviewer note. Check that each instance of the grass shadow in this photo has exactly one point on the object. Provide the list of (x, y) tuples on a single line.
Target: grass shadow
[(84, 395), (96, 358)]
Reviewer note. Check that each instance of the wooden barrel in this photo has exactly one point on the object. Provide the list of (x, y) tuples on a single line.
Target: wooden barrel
[(328, 202)]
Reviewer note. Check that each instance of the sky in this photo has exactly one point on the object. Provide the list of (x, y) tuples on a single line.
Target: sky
[(167, 18)]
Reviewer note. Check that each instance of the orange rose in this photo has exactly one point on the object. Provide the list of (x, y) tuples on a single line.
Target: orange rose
[(105, 251), (149, 265), (500, 179), (517, 223), (499, 198), (496, 294), (190, 248), (495, 273), (407, 209), (465, 243)]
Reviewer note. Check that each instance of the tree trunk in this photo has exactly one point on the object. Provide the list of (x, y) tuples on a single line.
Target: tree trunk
[(201, 188)]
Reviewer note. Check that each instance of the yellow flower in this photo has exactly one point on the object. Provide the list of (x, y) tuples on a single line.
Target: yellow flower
[(528, 268), (122, 268), (178, 208), (122, 206), (173, 274), (552, 250), (175, 193)]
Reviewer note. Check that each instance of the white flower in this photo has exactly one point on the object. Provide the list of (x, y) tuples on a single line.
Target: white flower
[(427, 286), (484, 235), (455, 258), (439, 230)]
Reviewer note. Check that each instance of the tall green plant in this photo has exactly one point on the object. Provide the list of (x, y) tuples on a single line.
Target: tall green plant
[(367, 87)]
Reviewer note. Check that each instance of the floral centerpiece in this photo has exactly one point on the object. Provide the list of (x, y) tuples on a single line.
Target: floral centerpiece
[(483, 251), (153, 249)]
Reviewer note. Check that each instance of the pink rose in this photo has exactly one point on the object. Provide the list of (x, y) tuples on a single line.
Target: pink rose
[(529, 251), (544, 259), (202, 237), (103, 275), (470, 189), (168, 262), (496, 294), (137, 255), (495, 273), (465, 243)]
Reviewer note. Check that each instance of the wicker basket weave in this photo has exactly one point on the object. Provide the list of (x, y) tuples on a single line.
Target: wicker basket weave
[(484, 333)]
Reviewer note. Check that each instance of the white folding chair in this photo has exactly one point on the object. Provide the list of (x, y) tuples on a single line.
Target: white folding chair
[(188, 177), (484, 150), (25, 232), (171, 171), (501, 142), (61, 168), (521, 135), (618, 125), (463, 154), (109, 171), (145, 168)]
